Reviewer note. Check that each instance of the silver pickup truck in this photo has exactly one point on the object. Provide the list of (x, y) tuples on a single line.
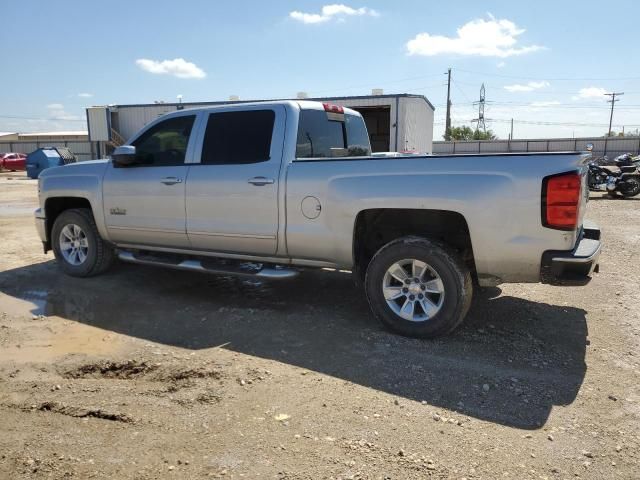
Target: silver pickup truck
[(266, 189)]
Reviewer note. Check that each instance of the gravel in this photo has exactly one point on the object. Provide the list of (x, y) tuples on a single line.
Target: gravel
[(148, 373)]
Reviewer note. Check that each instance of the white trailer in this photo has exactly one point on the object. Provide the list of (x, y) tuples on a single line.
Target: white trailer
[(400, 122)]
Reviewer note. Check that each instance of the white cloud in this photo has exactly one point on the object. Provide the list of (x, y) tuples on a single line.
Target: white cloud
[(529, 87), (590, 92), (486, 38), (178, 67), (57, 112), (501, 65), (334, 11), (85, 95)]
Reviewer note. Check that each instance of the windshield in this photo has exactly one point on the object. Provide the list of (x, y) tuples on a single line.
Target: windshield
[(329, 135)]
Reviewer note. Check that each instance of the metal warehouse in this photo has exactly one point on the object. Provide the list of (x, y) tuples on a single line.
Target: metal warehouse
[(395, 122)]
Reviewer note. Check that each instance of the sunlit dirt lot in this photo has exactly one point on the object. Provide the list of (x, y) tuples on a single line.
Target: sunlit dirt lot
[(147, 373)]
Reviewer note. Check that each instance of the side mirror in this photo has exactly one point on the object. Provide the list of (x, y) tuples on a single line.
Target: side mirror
[(589, 147), (124, 156)]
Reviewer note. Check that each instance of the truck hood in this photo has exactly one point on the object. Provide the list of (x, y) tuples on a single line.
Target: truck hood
[(91, 167)]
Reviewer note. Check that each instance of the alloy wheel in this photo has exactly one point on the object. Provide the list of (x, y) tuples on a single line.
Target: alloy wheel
[(413, 290), (74, 245)]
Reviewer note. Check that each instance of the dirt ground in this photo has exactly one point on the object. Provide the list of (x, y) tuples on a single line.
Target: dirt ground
[(147, 373)]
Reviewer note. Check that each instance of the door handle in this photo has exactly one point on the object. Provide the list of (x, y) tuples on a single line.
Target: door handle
[(260, 181), (171, 180)]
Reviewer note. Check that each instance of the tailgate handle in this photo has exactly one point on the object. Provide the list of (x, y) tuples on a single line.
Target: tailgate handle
[(261, 181), (171, 180)]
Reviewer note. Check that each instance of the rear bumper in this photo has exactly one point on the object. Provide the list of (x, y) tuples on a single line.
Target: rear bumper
[(576, 266)]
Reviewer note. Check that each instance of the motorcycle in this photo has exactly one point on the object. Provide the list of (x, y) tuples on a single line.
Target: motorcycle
[(626, 180)]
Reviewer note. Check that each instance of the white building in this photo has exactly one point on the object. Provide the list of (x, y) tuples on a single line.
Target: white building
[(76, 141), (400, 122)]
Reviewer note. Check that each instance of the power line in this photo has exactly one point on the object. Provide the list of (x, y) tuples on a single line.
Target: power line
[(559, 104), (546, 78), (539, 122), (383, 84), (563, 106), (552, 91), (54, 119), (461, 91)]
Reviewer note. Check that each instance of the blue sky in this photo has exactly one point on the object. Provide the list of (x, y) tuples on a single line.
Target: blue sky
[(541, 62)]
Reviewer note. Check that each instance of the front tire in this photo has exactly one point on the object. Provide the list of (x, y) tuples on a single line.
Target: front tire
[(77, 245), (418, 288)]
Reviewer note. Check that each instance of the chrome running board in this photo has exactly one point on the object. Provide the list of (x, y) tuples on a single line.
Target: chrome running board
[(209, 265)]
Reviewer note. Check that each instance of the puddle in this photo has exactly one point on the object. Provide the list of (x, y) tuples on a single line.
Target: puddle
[(74, 338), (43, 340), (40, 302), (180, 309), (53, 304)]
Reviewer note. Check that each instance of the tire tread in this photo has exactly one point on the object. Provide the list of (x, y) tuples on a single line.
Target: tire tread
[(105, 255), (451, 256)]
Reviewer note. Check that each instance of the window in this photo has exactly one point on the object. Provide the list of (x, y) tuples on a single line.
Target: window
[(322, 137), (238, 137), (165, 144), (357, 137)]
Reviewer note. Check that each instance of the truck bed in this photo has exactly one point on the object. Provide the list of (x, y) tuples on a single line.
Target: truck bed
[(498, 195)]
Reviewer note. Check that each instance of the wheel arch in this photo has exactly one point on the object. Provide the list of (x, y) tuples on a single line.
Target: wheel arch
[(54, 206), (374, 228)]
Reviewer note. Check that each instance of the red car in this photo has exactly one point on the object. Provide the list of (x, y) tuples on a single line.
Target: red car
[(13, 161)]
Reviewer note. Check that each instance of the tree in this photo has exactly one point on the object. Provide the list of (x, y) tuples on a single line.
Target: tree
[(460, 133), (628, 133), (467, 133), (488, 135)]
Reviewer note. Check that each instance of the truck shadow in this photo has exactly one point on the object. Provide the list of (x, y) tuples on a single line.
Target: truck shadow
[(511, 362)]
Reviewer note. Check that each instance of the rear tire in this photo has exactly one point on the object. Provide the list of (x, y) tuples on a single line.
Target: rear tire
[(633, 188), (77, 245), (418, 288)]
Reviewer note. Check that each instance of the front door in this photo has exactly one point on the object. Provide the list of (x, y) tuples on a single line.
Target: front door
[(232, 193), (144, 204)]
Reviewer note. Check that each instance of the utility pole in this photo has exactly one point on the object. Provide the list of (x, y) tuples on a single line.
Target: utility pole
[(612, 102), (511, 135), (447, 130)]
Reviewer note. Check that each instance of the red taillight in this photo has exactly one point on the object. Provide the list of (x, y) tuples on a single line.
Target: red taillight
[(332, 108), (561, 201)]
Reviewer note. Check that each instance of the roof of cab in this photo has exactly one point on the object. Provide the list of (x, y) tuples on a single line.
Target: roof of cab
[(301, 104), (386, 96)]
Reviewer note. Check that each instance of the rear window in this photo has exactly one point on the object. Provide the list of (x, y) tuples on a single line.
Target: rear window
[(322, 135), (238, 137)]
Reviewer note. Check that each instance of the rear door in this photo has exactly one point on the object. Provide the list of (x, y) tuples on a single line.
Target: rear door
[(144, 204), (232, 189)]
